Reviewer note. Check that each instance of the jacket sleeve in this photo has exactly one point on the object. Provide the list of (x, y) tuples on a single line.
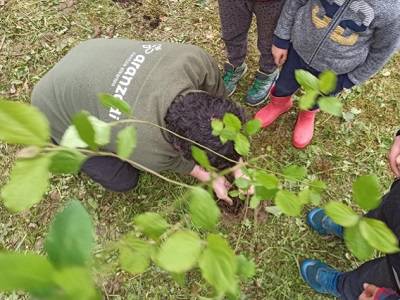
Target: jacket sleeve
[(283, 29), (385, 43)]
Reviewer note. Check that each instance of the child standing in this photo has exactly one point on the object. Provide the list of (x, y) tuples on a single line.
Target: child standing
[(354, 38), (236, 17)]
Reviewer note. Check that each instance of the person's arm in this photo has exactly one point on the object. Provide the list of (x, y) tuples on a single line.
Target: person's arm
[(220, 185), (283, 31), (385, 42)]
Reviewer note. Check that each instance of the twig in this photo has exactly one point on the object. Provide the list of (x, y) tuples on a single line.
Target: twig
[(133, 163)]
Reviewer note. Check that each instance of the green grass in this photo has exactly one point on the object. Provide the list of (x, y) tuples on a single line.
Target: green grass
[(34, 35)]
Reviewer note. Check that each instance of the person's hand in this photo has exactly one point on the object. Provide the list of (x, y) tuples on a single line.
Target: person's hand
[(280, 55), (369, 292), (221, 187), (394, 156)]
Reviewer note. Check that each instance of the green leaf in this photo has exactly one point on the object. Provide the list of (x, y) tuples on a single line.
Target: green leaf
[(318, 186), (269, 181), (66, 161), (252, 127), (29, 181), (307, 196), (218, 265), (246, 268), (217, 126), (203, 209), (151, 224), (242, 144), (378, 235), (307, 80), (232, 121), (294, 173), (307, 101), (357, 244), (262, 194), (288, 203), (70, 239), (134, 254), (200, 156), (71, 139), (327, 82), (304, 196), (255, 202), (126, 141), (179, 278), (265, 194), (180, 252), (84, 128), (102, 137), (331, 105), (23, 124), (228, 134), (113, 102), (242, 183), (76, 283), (102, 131), (341, 214), (366, 192), (26, 272)]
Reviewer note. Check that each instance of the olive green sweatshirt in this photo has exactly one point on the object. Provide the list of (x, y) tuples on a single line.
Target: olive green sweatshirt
[(147, 75)]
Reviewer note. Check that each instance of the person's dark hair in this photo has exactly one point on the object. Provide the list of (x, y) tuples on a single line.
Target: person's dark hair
[(191, 115)]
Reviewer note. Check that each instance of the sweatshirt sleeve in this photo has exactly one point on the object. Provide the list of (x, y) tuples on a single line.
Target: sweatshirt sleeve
[(283, 29), (386, 41)]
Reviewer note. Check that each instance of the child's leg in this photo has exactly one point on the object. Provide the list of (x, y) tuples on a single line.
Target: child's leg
[(267, 15), (235, 18), (377, 272), (111, 172)]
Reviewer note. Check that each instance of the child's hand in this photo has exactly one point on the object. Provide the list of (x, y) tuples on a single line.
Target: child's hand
[(221, 187), (369, 292), (280, 55)]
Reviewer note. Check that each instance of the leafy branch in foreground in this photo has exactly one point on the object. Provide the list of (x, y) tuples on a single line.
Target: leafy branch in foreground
[(317, 91), (362, 234), (155, 240), (178, 250), (65, 273)]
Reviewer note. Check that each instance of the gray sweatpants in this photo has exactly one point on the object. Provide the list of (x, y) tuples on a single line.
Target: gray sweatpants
[(236, 17)]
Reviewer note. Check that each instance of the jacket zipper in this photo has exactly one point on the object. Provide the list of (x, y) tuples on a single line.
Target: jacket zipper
[(333, 25)]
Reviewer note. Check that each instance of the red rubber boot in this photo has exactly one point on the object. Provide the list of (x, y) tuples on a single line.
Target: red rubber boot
[(304, 129), (277, 106)]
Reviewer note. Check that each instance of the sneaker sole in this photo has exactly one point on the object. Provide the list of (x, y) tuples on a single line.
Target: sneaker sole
[(244, 73)]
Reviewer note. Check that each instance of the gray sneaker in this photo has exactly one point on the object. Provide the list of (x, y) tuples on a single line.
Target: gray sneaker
[(261, 88), (232, 76)]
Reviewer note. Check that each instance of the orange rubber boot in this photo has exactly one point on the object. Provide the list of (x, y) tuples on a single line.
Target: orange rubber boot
[(276, 107), (304, 129)]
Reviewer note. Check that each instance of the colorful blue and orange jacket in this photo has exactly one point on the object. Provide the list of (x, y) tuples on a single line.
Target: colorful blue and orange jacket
[(353, 37)]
